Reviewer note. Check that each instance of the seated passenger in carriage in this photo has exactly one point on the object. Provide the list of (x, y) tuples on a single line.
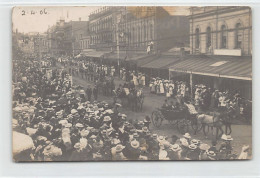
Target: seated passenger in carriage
[(165, 105)]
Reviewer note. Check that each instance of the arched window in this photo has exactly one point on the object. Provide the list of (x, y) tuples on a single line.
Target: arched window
[(197, 38), (238, 36), (223, 36), (133, 36), (208, 37), (151, 31), (139, 36), (145, 33)]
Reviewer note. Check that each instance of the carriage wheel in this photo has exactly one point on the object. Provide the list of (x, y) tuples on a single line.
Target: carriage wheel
[(156, 119), (173, 122), (183, 126)]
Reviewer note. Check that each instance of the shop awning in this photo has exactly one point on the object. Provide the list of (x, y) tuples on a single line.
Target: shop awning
[(114, 56), (162, 62), (145, 60), (218, 66), (96, 54)]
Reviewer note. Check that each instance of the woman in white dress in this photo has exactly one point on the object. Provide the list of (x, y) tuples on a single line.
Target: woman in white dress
[(162, 88), (135, 80)]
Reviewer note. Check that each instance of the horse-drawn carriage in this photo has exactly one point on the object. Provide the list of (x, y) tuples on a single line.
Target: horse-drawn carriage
[(182, 117), (130, 98)]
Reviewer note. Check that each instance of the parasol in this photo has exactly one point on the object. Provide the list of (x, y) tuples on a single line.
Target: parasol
[(21, 142)]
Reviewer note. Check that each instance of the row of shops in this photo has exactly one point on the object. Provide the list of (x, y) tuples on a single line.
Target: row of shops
[(232, 73)]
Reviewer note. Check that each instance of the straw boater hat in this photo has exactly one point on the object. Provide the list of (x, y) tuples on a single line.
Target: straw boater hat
[(195, 141), (186, 135), (184, 142), (192, 147), (73, 111), (226, 137), (204, 146), (77, 146), (107, 118), (135, 135), (211, 155), (135, 144), (175, 147), (161, 138), (79, 125), (145, 129), (84, 133), (155, 136), (93, 137), (117, 104), (90, 128), (124, 115), (119, 148), (41, 138), (68, 125), (140, 122)]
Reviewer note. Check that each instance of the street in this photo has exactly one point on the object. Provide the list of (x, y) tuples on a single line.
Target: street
[(152, 101)]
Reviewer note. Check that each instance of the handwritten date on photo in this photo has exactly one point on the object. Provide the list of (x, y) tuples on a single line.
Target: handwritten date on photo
[(34, 12)]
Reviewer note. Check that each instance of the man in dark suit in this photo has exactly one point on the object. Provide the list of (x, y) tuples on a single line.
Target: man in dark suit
[(89, 93), (95, 93)]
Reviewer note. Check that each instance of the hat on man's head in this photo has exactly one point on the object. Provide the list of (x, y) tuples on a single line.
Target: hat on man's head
[(119, 148), (135, 144), (186, 135)]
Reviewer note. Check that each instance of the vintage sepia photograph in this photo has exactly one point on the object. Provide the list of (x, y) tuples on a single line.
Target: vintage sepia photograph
[(131, 83)]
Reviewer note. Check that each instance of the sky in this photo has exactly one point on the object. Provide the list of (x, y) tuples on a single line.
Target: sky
[(39, 19)]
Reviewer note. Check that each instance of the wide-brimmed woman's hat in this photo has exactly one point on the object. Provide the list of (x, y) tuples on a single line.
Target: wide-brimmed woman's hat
[(226, 137), (204, 146)]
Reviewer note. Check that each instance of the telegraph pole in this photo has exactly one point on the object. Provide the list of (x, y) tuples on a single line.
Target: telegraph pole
[(118, 18)]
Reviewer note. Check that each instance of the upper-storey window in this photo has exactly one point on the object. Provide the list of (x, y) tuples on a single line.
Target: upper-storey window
[(238, 36), (223, 36), (197, 38), (208, 37)]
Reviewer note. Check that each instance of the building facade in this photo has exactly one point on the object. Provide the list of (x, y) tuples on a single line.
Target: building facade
[(133, 28), (102, 26), (68, 38), (40, 45), (221, 30), (221, 50)]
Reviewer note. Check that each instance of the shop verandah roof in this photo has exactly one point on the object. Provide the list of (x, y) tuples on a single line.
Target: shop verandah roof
[(218, 66)]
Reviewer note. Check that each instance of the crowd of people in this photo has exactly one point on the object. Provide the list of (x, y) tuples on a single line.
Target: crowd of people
[(65, 126), (202, 97), (138, 78)]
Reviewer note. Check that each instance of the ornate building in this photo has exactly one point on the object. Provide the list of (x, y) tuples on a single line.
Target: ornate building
[(221, 30), (133, 28), (68, 38)]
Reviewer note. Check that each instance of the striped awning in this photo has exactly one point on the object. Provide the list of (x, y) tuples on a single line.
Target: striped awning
[(162, 62), (95, 54), (218, 66)]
